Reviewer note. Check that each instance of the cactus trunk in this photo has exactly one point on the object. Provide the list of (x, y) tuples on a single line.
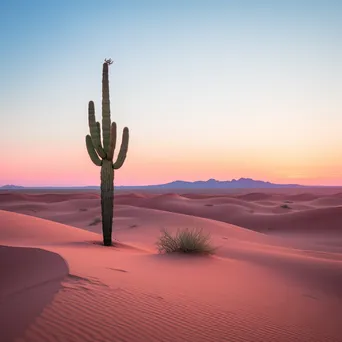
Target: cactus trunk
[(107, 194), (106, 122)]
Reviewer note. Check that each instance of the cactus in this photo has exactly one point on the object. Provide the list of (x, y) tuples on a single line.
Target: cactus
[(101, 154)]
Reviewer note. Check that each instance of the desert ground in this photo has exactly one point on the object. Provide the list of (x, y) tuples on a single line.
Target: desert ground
[(276, 274)]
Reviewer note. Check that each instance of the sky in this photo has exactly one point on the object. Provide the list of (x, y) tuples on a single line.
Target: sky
[(209, 89)]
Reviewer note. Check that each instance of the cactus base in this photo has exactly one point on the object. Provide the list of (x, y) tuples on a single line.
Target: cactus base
[(107, 242), (107, 193)]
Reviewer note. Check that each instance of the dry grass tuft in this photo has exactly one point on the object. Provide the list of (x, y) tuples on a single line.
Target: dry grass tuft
[(185, 241)]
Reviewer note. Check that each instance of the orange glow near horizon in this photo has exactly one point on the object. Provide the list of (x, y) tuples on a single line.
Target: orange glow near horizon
[(62, 169)]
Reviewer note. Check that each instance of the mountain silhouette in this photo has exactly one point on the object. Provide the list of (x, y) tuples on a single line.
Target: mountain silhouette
[(246, 183), (241, 183)]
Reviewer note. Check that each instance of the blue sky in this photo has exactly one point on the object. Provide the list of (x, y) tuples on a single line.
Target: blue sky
[(209, 89)]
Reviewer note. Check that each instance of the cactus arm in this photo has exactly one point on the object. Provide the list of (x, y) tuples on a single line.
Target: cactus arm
[(101, 152), (95, 130), (110, 153), (106, 121), (91, 151), (123, 150)]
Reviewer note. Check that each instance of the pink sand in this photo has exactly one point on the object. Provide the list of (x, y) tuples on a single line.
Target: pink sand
[(276, 276)]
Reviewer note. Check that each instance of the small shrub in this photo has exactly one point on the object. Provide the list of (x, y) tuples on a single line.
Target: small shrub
[(185, 241), (285, 206)]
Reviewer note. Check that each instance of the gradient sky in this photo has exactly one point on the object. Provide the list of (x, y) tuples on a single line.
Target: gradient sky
[(209, 89)]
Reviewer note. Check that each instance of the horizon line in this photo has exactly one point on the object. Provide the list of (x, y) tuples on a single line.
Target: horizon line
[(160, 184)]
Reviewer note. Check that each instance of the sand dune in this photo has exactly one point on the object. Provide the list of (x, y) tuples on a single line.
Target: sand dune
[(255, 196), (8, 196), (269, 215), (276, 276), (327, 201), (255, 215), (30, 278), (37, 232)]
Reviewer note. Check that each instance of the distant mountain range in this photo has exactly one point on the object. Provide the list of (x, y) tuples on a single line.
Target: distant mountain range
[(242, 183), (11, 187)]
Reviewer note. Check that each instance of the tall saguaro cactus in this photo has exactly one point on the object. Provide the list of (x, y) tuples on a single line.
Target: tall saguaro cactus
[(102, 154)]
